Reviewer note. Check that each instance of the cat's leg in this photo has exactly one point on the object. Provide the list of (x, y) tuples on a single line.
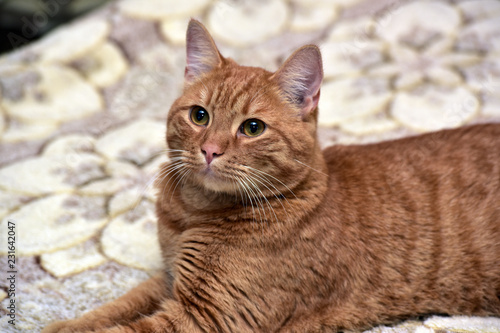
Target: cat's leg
[(176, 318), (173, 318), (331, 319), (143, 300)]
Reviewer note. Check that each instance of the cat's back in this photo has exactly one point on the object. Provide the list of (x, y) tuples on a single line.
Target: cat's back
[(435, 150), (451, 176), (447, 162), (423, 213)]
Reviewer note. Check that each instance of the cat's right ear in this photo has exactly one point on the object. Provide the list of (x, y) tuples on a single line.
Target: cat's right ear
[(202, 53), (300, 78)]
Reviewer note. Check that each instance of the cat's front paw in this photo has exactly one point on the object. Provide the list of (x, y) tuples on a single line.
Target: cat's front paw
[(76, 326), (60, 327)]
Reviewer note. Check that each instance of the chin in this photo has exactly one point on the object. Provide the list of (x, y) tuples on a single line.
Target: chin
[(213, 182)]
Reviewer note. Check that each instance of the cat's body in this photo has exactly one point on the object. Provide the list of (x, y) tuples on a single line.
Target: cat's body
[(266, 233)]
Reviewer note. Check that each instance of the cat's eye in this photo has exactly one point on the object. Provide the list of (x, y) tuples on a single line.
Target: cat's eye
[(252, 127), (199, 115)]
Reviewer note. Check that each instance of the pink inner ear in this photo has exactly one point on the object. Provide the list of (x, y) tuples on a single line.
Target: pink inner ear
[(300, 78), (314, 102)]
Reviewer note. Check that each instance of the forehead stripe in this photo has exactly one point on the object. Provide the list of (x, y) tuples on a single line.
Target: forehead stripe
[(238, 93)]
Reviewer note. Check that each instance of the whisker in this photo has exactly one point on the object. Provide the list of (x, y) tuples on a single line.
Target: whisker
[(151, 181), (268, 175), (242, 186), (248, 200), (267, 201), (296, 160), (235, 184), (245, 199), (165, 151), (261, 179), (252, 198), (169, 168), (247, 191), (186, 172), (175, 170), (257, 197)]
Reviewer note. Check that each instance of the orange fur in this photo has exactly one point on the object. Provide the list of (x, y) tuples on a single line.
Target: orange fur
[(271, 234)]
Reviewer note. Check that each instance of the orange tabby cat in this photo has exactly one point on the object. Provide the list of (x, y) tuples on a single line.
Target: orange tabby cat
[(261, 231)]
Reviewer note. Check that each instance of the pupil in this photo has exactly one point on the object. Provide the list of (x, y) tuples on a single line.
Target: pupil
[(254, 127), (200, 115)]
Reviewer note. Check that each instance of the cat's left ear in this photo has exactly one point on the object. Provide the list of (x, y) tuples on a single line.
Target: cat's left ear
[(300, 78), (201, 51)]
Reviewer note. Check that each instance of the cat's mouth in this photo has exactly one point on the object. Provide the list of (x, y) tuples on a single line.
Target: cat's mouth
[(213, 179), (209, 173)]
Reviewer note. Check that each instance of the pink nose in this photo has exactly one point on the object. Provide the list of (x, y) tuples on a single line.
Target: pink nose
[(211, 151)]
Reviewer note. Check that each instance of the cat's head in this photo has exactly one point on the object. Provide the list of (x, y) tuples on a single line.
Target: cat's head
[(238, 129)]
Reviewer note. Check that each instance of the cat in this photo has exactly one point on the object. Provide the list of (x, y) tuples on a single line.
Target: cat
[(262, 231)]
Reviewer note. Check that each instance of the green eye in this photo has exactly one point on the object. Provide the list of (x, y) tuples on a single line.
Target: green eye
[(199, 115), (252, 127)]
